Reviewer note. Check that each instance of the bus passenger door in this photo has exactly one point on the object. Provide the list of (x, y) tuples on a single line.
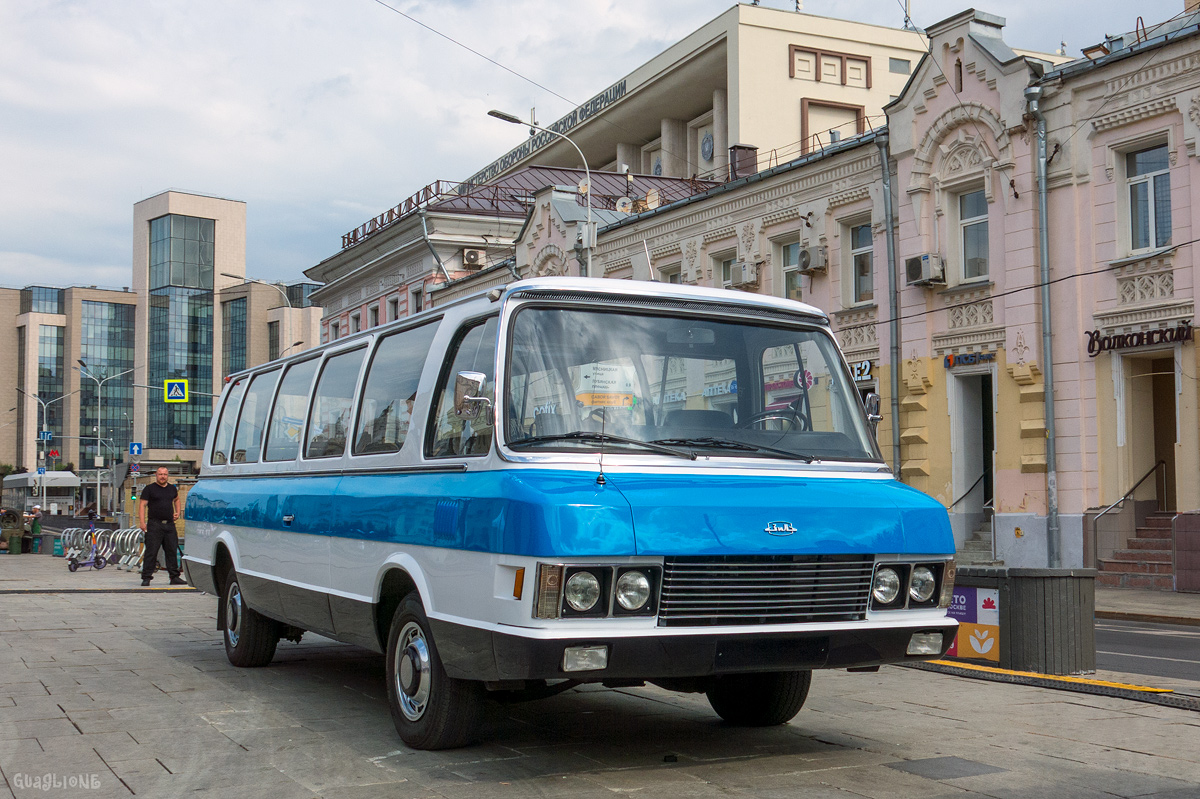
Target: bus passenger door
[(307, 517)]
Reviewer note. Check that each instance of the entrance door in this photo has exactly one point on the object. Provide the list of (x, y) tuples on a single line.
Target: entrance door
[(1163, 381), (1152, 425), (977, 445)]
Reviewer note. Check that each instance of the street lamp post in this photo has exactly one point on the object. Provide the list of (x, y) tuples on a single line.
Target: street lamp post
[(288, 347), (83, 370), (282, 293), (587, 195), (46, 425)]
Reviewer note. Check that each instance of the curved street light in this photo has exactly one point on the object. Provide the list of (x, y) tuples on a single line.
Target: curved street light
[(282, 293), (587, 195), (46, 423), (86, 372)]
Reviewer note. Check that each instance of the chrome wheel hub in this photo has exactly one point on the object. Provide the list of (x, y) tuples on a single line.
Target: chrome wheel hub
[(413, 673), (233, 614)]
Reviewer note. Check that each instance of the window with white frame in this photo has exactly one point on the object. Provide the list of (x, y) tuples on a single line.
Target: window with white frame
[(393, 309), (670, 274), (333, 331), (1149, 197), (973, 234), (861, 262), (417, 303), (726, 269), (373, 316), (789, 259), (355, 323)]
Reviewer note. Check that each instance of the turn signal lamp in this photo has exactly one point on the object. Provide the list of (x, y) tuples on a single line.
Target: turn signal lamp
[(549, 595)]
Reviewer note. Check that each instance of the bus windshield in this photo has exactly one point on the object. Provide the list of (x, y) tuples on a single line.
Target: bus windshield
[(644, 383)]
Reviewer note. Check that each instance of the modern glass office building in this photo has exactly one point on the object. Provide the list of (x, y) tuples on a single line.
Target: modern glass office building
[(50, 376), (233, 336), (180, 328), (106, 347)]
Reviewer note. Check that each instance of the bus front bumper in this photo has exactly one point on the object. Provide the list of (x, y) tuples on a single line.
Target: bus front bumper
[(475, 654)]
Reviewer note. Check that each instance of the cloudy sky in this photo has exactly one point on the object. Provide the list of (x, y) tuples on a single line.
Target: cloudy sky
[(321, 114)]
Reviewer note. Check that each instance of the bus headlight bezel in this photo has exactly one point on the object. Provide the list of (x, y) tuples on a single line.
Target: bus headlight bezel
[(922, 585), (583, 591), (632, 591), (887, 585)]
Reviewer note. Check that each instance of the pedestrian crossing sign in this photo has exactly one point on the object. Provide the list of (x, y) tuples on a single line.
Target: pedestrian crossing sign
[(175, 391)]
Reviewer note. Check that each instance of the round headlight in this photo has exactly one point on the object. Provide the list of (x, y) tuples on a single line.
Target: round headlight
[(633, 590), (886, 586), (582, 591), (921, 586)]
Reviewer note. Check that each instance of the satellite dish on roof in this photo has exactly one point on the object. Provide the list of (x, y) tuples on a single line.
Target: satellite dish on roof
[(584, 186), (624, 205), (652, 199)]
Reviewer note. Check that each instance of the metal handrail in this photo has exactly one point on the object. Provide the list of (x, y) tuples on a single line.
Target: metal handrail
[(1096, 519), (969, 490)]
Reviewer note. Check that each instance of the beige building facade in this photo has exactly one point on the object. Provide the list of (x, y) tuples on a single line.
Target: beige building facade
[(773, 83)]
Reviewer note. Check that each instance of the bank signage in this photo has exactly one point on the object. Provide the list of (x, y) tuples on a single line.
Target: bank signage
[(1098, 342), (969, 359)]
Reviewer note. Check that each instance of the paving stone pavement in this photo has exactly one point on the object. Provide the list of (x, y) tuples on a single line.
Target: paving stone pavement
[(132, 692)]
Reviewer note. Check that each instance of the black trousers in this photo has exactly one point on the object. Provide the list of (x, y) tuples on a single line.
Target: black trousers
[(160, 535)]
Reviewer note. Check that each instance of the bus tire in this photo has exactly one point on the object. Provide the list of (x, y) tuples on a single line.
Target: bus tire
[(760, 700), (250, 637), (429, 709)]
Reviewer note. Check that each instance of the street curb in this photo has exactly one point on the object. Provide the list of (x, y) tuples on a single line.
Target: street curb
[(139, 590), (1149, 618), (1164, 698)]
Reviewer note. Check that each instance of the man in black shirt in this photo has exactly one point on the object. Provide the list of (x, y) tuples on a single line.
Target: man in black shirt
[(158, 508)]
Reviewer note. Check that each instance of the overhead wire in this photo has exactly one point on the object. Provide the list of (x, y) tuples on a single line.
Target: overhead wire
[(602, 117), (1111, 95), (1018, 290)]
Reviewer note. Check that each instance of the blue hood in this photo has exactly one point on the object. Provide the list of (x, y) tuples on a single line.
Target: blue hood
[(730, 514)]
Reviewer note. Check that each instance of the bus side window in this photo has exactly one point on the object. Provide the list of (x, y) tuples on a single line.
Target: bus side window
[(248, 441), (390, 390), (287, 418), (220, 452), (449, 435), (329, 417)]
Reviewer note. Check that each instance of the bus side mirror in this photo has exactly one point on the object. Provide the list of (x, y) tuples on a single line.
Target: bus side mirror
[(468, 404), (873, 403)]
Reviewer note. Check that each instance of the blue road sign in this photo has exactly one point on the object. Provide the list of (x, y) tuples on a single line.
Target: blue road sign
[(41, 470), (135, 448), (175, 391), (133, 467), (45, 435)]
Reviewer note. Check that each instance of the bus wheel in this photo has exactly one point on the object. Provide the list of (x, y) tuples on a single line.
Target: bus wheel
[(250, 637), (760, 700), (429, 709)]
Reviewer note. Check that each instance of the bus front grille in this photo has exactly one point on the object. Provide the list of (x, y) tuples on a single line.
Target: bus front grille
[(764, 589)]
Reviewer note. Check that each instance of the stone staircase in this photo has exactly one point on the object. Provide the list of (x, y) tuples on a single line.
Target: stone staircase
[(977, 551), (1146, 563)]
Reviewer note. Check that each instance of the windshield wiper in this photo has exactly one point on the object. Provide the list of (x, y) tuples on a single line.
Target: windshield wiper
[(606, 438), (727, 443)]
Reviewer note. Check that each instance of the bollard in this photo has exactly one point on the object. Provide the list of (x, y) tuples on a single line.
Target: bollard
[(58, 549)]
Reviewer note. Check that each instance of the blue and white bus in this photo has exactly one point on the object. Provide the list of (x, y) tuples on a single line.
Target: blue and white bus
[(568, 481)]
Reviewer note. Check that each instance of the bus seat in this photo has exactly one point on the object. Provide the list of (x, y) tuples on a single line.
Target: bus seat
[(549, 424)]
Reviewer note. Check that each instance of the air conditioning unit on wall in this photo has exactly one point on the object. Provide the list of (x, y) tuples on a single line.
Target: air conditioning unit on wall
[(473, 259), (743, 273), (924, 270), (812, 260)]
